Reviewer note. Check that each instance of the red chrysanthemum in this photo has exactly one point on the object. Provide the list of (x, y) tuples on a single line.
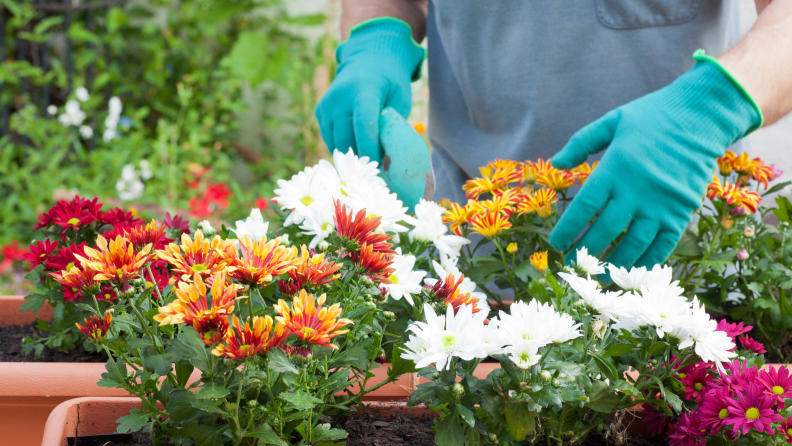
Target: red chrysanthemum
[(311, 270), (360, 228), (254, 337), (71, 214), (753, 409), (95, 328), (64, 258), (696, 380), (785, 429), (448, 291), (218, 194), (39, 252), (377, 264), (75, 281)]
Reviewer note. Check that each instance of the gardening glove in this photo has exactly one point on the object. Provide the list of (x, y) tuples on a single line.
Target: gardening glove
[(375, 67), (660, 154)]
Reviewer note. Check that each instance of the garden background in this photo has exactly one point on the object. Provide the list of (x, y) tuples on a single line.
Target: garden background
[(193, 107)]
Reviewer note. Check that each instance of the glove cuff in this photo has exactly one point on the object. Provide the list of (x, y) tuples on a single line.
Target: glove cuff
[(389, 37)]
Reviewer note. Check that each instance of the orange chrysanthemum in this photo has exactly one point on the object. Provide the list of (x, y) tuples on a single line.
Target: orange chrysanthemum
[(260, 261), (745, 166), (192, 306), (360, 228), (581, 172), (311, 270), (151, 234), (448, 291), (309, 321), (476, 187), (199, 256), (77, 280), (540, 201), (377, 264), (502, 201), (764, 174), (489, 223), (507, 167), (116, 260), (211, 327), (95, 328), (456, 216), (244, 341), (556, 179), (725, 163), (734, 195), (539, 260)]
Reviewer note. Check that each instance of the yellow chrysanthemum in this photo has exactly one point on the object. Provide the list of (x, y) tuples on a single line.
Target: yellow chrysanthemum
[(456, 216), (309, 321), (490, 223), (260, 261), (725, 163), (199, 256), (116, 260), (539, 260), (540, 201), (192, 306)]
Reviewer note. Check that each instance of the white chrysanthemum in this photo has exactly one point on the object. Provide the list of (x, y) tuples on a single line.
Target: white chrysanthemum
[(253, 226), (352, 169), (404, 281), (663, 308), (535, 322), (631, 279), (428, 226), (304, 190), (523, 354), (318, 222), (442, 338), (700, 330), (145, 169), (72, 114), (588, 262), (52, 110), (114, 106)]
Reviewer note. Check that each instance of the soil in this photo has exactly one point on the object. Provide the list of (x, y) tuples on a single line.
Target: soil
[(11, 348), (133, 439)]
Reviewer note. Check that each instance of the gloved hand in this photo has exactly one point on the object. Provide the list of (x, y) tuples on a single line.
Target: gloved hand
[(661, 152), (375, 67)]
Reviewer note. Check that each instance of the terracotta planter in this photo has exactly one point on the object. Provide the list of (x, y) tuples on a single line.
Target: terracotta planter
[(30, 390), (98, 415)]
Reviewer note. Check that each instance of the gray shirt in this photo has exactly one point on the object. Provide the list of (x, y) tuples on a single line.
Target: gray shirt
[(514, 79)]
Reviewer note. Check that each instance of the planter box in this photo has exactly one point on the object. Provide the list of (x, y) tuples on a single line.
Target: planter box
[(30, 390), (98, 415)]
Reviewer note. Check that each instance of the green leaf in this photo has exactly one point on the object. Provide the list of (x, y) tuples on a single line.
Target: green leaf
[(189, 347), (279, 362), (606, 367), (300, 400), (115, 376), (160, 364), (450, 433), (267, 435), (527, 271), (356, 356), (249, 57), (212, 390), (183, 371), (602, 398), (33, 303), (136, 420), (399, 365), (520, 420), (618, 349), (325, 432)]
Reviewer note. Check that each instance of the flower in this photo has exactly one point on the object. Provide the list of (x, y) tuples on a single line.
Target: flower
[(733, 329), (456, 215), (376, 264), (511, 248), (713, 409), (38, 252), (199, 256), (687, 431), (696, 380), (81, 93), (254, 337), (588, 263), (476, 187), (698, 328), (537, 323), (304, 192), (218, 193), (86, 132), (95, 328), (65, 258), (360, 228), (725, 163), (310, 270), (152, 234), (785, 429), (428, 226), (403, 282), (420, 127), (778, 382), (753, 409), (556, 179), (540, 201), (749, 231), (752, 344), (71, 214), (260, 261), (742, 255), (489, 223), (309, 321), (441, 338), (73, 115), (118, 216), (115, 261), (177, 223), (539, 260), (450, 292), (253, 226), (192, 303)]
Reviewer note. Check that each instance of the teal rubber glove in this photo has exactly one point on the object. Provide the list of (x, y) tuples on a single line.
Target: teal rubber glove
[(375, 67), (407, 164), (660, 154)]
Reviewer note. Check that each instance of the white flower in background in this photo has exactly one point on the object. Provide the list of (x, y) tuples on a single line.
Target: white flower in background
[(86, 132), (129, 189), (128, 172), (404, 281), (72, 115), (663, 308), (442, 338), (52, 110), (114, 108), (588, 262), (428, 226), (109, 135), (145, 169), (81, 93), (206, 227), (253, 226)]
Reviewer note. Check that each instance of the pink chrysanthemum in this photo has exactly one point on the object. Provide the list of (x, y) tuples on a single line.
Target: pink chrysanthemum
[(713, 409), (785, 429), (687, 431), (752, 344), (696, 380), (656, 423), (733, 329), (739, 376), (753, 409), (778, 382)]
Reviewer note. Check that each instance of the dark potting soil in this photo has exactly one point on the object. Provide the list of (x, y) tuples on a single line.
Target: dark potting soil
[(11, 347), (133, 439)]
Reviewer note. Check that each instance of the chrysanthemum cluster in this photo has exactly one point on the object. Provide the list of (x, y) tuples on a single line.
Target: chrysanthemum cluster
[(736, 188), (508, 190)]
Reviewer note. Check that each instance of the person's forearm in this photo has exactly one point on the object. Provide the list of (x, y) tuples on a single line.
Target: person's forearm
[(411, 11), (762, 61)]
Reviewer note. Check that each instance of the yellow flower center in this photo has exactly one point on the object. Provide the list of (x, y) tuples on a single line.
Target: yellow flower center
[(682, 375), (308, 332), (69, 266), (789, 431), (525, 357), (394, 279), (723, 413), (199, 268), (73, 221), (778, 390), (448, 340), (698, 387), (752, 413), (306, 200)]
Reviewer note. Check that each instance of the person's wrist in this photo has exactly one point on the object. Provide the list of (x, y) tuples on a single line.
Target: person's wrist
[(386, 37)]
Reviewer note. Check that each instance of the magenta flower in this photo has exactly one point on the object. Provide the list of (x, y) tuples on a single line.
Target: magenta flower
[(778, 382), (713, 409), (739, 376), (696, 380), (733, 329), (687, 432), (785, 429), (753, 409), (752, 344), (656, 423)]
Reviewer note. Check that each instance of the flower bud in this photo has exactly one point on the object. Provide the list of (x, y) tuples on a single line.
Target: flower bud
[(511, 248), (556, 382), (742, 255), (524, 385), (749, 231), (598, 327), (493, 438), (546, 375), (727, 222), (458, 389)]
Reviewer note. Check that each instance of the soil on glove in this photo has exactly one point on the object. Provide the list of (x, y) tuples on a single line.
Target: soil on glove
[(11, 348)]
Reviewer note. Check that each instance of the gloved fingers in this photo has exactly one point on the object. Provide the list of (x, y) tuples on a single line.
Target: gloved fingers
[(343, 135), (589, 200), (613, 219), (660, 248), (639, 236), (325, 127), (401, 100), (589, 140), (366, 124)]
